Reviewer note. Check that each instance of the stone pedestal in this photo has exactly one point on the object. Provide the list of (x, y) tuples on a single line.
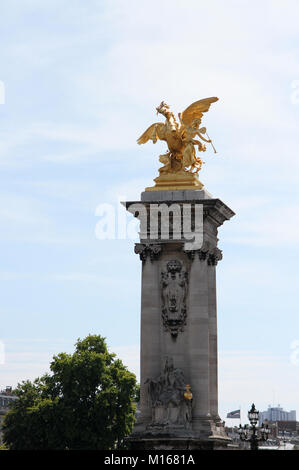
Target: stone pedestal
[(179, 327)]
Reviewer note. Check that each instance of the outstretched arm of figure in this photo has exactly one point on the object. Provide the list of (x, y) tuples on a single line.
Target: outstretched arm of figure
[(203, 138)]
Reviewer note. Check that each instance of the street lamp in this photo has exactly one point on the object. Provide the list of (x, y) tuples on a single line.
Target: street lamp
[(253, 434)]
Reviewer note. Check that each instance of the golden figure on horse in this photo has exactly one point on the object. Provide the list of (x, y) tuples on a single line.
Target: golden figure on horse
[(180, 137)]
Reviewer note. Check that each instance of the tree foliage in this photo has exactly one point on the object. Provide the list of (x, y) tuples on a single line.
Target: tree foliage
[(86, 402)]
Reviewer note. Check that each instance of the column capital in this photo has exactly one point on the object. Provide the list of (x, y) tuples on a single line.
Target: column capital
[(206, 253), (214, 257), (153, 250)]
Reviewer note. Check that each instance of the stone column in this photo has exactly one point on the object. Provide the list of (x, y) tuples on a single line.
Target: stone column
[(150, 355), (199, 337), (213, 347), (179, 330)]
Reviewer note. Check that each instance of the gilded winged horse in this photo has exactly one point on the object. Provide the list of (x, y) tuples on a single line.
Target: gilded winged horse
[(180, 137)]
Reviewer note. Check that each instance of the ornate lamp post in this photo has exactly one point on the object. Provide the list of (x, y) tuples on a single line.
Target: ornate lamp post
[(253, 434)]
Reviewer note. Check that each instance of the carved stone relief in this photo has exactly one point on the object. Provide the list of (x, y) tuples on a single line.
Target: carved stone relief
[(174, 286), (170, 407)]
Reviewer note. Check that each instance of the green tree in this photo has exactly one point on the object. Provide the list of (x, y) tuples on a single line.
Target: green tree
[(86, 402)]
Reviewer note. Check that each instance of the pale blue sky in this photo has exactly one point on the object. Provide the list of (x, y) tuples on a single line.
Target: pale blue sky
[(82, 80)]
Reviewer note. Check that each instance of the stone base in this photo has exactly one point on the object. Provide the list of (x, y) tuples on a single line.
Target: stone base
[(176, 181), (188, 195), (170, 443), (205, 434)]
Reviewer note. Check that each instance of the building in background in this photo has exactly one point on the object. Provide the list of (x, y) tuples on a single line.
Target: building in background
[(275, 414), (288, 428), (6, 398)]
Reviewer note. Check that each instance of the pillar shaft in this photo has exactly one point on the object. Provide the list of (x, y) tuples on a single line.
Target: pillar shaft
[(179, 325)]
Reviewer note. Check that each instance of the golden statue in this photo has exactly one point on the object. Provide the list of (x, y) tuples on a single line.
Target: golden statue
[(181, 164), (188, 394)]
